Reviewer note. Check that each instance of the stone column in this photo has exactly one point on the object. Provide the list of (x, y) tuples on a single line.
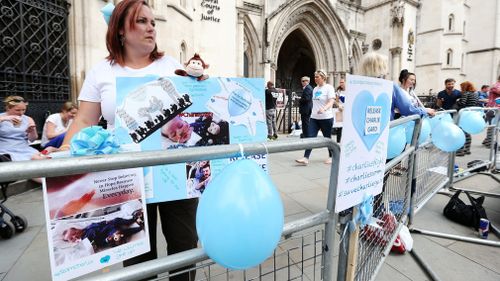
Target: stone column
[(395, 64), (240, 46)]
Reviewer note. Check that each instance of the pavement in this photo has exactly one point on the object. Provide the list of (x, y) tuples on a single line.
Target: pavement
[(304, 192)]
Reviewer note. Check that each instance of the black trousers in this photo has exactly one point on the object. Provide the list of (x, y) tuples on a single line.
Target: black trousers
[(178, 224), (305, 124)]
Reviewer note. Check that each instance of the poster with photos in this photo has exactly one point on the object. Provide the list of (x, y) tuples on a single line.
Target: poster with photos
[(94, 220), (162, 113)]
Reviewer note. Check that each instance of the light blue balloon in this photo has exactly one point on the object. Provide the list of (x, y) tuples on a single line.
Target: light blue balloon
[(397, 141), (107, 11), (239, 102), (410, 126), (425, 131), (440, 118), (472, 122), (448, 137), (240, 216)]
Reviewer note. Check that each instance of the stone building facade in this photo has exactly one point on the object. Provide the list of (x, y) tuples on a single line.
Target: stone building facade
[(282, 40)]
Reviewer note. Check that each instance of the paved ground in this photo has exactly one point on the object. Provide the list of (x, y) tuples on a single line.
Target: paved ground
[(304, 190)]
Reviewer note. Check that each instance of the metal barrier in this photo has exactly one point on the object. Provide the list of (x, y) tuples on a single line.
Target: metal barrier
[(368, 247), (431, 172), (308, 247), (301, 252), (482, 164), (431, 176)]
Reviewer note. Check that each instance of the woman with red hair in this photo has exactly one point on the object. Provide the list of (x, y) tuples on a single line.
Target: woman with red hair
[(469, 98), (133, 52)]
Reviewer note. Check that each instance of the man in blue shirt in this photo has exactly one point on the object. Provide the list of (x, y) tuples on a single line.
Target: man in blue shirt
[(483, 95), (447, 98)]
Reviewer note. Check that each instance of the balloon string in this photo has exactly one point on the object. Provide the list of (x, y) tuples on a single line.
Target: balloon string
[(265, 146), (242, 153)]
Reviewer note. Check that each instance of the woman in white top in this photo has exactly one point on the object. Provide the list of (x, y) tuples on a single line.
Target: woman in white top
[(408, 81), (131, 42), (57, 124), (322, 113)]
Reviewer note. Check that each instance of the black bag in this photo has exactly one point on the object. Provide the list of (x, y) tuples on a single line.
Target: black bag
[(468, 215)]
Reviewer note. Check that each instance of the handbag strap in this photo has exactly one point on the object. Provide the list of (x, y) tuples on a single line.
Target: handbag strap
[(475, 201)]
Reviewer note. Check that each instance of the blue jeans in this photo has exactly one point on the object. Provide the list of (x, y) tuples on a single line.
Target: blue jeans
[(55, 142), (325, 125)]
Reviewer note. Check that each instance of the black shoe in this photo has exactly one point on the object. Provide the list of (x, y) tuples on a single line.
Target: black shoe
[(460, 153), (275, 136)]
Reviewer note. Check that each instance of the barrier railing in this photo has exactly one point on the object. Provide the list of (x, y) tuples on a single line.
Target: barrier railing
[(431, 172), (368, 247), (492, 129), (323, 248), (309, 245), (435, 171)]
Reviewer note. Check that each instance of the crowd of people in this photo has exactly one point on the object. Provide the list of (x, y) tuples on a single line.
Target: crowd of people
[(321, 107)]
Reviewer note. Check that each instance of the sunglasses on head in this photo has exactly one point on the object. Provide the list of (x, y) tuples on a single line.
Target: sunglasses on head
[(15, 99)]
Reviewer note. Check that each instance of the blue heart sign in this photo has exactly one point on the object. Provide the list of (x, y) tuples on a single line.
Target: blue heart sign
[(365, 132), (370, 116)]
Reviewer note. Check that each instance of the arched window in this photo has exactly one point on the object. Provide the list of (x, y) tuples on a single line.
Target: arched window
[(449, 57), (451, 22), (182, 54)]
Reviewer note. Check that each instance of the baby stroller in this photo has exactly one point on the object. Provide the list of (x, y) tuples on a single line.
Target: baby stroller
[(17, 223)]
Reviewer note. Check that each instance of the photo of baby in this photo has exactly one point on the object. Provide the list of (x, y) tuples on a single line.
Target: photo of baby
[(199, 175), (76, 194), (194, 129), (89, 233)]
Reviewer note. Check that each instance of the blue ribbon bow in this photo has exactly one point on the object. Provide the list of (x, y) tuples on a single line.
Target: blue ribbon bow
[(364, 214), (107, 11), (93, 140)]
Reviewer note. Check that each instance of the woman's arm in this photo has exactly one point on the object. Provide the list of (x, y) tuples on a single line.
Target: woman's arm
[(327, 106), (88, 115), (31, 131), (50, 130), (404, 105)]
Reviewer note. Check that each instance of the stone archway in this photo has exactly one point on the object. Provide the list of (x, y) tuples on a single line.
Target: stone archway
[(296, 59), (316, 23)]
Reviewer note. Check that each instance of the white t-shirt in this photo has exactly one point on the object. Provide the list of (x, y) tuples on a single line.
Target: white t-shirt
[(321, 96), (55, 119), (100, 83)]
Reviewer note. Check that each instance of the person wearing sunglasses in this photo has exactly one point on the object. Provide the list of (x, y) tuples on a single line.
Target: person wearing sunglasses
[(17, 130)]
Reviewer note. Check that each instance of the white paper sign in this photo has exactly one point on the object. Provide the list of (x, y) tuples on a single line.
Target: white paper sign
[(367, 112)]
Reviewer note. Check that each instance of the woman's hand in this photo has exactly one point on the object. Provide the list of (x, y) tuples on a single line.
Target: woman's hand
[(430, 111), (14, 119)]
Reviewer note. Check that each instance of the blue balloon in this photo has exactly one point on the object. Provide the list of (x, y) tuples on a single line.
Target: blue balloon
[(240, 216), (472, 122), (107, 11), (239, 102), (440, 118), (410, 126), (425, 131), (397, 141), (448, 137)]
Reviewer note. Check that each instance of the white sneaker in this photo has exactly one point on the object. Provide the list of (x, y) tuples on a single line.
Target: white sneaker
[(328, 161), (303, 161)]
